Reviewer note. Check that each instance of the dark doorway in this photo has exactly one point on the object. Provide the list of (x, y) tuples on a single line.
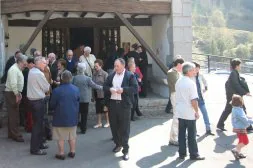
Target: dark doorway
[(83, 35)]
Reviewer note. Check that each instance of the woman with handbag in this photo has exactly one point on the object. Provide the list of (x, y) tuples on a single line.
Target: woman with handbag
[(234, 85), (89, 60), (99, 77)]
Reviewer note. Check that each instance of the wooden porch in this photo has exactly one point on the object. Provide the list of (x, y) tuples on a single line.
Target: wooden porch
[(55, 18)]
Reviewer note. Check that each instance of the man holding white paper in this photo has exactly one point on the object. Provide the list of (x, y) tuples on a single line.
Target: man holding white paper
[(119, 88)]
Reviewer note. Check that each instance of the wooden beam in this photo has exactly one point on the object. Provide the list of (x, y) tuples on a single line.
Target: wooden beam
[(83, 14), (100, 6), (37, 30), (134, 16), (65, 14), (27, 14), (142, 42), (80, 22), (100, 15), (9, 15)]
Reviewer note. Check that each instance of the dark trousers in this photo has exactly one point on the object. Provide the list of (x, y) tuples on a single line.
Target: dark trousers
[(135, 106), (83, 110), (225, 114), (38, 113), (190, 126), (22, 111), (47, 126), (26, 110), (169, 106), (119, 116), (13, 115)]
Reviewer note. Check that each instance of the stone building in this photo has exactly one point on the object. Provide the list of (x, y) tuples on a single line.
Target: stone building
[(163, 27)]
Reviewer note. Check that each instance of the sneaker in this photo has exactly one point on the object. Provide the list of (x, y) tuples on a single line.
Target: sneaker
[(98, 126), (241, 156), (173, 143), (209, 132), (236, 154), (106, 125)]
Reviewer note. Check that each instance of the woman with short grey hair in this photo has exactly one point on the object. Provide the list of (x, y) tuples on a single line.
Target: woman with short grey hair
[(89, 60), (65, 103), (85, 84)]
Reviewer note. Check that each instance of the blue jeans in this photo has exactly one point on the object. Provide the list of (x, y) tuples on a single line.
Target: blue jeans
[(190, 126), (203, 110)]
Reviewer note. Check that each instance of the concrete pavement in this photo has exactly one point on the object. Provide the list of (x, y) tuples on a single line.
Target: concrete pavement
[(148, 144)]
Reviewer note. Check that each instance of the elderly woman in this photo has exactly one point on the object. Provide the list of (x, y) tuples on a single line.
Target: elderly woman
[(65, 103), (99, 77), (89, 60), (61, 66), (84, 83)]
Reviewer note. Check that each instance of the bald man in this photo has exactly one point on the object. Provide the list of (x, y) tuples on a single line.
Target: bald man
[(53, 67), (71, 62)]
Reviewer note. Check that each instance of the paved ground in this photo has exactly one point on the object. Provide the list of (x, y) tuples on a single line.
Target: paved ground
[(149, 139)]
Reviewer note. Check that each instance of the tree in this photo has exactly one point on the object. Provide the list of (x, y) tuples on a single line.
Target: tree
[(251, 50), (229, 53), (214, 48), (242, 51), (217, 19)]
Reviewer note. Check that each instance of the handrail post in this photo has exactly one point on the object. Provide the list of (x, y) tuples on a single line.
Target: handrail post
[(208, 63)]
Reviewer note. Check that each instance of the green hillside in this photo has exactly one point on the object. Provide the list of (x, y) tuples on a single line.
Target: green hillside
[(223, 27)]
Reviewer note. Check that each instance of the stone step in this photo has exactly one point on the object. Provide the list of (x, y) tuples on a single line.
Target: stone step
[(152, 106)]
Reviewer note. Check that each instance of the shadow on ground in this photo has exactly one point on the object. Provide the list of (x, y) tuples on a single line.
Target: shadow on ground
[(157, 158), (94, 149), (223, 142)]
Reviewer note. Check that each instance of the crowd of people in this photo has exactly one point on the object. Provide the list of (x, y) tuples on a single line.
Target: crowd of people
[(50, 97), (187, 87), (38, 87)]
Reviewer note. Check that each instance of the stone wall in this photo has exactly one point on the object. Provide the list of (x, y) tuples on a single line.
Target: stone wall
[(182, 28), (172, 35)]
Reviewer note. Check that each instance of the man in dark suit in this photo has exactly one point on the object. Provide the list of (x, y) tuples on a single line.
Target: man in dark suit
[(119, 88), (9, 63), (234, 85)]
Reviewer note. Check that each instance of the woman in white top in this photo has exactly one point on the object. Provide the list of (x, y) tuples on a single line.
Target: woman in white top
[(89, 60)]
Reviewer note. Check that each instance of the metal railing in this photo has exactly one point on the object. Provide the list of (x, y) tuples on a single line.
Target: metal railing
[(211, 63)]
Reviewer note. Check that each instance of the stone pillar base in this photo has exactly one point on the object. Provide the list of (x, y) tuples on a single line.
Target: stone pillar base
[(159, 86)]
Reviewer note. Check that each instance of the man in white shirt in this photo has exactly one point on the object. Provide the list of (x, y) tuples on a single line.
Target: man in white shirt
[(37, 86), (187, 112), (89, 59), (119, 89)]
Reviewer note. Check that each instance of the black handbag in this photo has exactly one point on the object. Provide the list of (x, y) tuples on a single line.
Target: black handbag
[(244, 84)]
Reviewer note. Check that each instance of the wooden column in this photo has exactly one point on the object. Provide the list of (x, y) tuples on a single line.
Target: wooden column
[(142, 42), (37, 30), (96, 41)]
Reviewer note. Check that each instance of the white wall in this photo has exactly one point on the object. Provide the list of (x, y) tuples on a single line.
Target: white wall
[(20, 35), (144, 31)]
